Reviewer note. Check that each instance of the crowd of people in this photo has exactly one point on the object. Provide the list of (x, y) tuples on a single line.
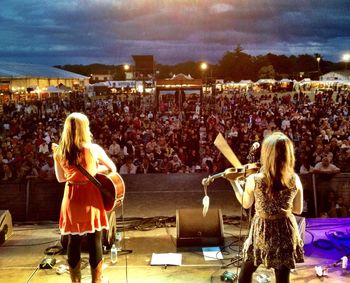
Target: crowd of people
[(144, 141), (179, 140)]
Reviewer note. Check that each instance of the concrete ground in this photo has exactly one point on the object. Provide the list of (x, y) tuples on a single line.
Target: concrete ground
[(147, 224)]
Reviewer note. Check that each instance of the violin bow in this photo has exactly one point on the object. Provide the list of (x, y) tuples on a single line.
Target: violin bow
[(222, 145)]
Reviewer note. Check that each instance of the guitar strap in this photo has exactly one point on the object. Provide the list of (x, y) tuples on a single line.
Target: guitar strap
[(96, 182)]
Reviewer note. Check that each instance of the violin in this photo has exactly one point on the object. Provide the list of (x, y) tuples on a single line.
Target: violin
[(233, 173)]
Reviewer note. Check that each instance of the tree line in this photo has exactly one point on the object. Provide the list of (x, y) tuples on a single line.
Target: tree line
[(235, 65)]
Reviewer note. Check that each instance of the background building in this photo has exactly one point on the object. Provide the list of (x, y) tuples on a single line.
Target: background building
[(19, 80)]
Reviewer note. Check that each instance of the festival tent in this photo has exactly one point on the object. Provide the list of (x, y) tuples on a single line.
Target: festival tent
[(266, 81), (64, 88), (285, 81), (53, 89), (245, 82)]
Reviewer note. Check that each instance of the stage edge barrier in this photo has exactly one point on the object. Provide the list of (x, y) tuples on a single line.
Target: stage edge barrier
[(35, 200)]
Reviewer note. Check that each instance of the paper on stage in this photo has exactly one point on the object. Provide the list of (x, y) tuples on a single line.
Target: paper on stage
[(212, 253), (166, 259)]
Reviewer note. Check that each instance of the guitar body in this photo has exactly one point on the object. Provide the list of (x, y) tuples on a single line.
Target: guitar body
[(114, 185)]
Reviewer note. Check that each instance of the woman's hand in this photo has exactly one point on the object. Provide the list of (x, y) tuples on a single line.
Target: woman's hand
[(103, 169)]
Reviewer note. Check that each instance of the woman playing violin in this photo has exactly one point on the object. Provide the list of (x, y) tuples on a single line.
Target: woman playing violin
[(273, 239)]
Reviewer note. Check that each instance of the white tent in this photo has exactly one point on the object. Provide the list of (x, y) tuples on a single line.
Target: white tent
[(285, 81), (245, 82), (53, 89), (266, 81)]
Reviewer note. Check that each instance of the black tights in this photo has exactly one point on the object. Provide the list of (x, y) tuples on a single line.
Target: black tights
[(248, 268), (94, 245)]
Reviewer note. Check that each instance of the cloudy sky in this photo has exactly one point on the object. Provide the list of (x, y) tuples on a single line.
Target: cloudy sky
[(110, 31)]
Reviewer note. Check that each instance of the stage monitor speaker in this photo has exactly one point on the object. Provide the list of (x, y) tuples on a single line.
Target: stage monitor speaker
[(195, 230), (6, 230)]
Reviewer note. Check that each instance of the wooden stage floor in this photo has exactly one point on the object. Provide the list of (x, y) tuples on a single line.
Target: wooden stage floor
[(21, 255)]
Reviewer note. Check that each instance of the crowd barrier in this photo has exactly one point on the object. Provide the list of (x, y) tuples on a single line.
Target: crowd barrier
[(35, 200)]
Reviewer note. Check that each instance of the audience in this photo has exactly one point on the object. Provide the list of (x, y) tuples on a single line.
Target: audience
[(141, 140)]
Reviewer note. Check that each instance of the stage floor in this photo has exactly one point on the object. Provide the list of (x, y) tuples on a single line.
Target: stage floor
[(21, 255), (153, 215)]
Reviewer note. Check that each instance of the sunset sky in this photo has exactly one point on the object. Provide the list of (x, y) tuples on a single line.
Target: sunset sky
[(91, 31)]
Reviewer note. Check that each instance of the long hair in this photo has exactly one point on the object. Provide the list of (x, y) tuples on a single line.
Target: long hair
[(277, 160), (76, 132)]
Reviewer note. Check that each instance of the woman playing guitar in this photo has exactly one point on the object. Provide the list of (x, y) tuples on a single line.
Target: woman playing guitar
[(82, 209)]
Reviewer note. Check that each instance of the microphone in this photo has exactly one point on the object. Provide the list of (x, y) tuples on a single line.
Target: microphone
[(252, 151)]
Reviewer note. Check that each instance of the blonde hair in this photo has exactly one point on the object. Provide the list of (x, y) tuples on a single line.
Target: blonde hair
[(277, 160), (76, 133)]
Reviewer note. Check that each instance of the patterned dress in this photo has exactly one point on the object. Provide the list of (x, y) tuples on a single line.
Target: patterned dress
[(82, 209), (274, 238)]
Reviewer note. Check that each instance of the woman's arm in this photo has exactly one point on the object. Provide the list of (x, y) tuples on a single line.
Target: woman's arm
[(298, 199), (58, 168), (103, 158), (246, 197), (59, 172)]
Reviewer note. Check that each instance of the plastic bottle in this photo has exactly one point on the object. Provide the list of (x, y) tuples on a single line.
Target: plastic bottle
[(114, 254)]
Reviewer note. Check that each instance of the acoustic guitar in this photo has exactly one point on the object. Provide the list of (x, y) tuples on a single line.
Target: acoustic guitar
[(112, 189), (111, 186)]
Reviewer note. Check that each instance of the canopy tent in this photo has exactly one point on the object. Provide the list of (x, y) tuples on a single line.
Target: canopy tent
[(64, 88), (245, 82), (53, 89), (266, 81), (285, 81)]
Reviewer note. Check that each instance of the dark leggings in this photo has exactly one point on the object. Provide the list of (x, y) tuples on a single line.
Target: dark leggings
[(248, 268), (94, 245)]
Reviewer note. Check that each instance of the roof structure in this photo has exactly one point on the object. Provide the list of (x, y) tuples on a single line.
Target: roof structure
[(21, 70), (180, 80)]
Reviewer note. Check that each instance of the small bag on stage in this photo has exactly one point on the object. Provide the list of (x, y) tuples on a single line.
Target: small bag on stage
[(111, 186)]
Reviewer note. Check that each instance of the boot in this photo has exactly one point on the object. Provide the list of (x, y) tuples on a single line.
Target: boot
[(96, 274), (75, 274)]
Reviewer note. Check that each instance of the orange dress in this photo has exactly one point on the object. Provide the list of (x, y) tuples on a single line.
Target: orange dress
[(82, 209)]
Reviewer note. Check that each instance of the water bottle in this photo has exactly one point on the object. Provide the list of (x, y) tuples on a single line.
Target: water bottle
[(114, 254)]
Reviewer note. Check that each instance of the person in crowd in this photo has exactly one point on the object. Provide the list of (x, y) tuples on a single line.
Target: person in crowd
[(47, 171), (324, 167), (305, 167), (82, 210), (339, 209), (277, 192), (128, 167), (7, 174), (129, 149), (114, 149), (43, 147), (318, 154), (343, 158), (145, 167), (175, 163)]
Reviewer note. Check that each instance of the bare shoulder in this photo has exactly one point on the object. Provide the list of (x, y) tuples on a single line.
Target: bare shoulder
[(297, 181), (93, 147)]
